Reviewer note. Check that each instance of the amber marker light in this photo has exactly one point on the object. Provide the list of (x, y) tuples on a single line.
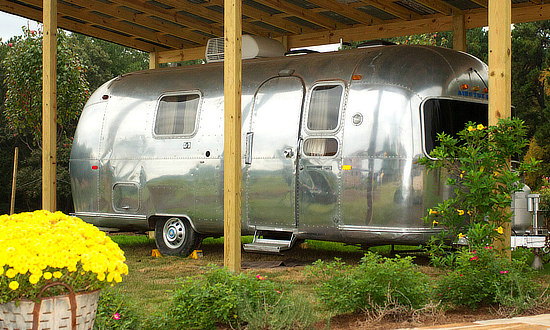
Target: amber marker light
[(485, 90), (464, 86), (356, 77), (476, 88), (346, 167)]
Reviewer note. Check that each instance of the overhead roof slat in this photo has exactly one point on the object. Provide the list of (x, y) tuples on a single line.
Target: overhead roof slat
[(159, 25)]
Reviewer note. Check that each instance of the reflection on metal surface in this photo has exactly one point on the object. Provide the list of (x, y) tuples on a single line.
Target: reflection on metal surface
[(325, 155)]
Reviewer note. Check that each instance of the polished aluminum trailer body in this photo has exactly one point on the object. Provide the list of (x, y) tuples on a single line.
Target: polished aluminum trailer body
[(329, 141)]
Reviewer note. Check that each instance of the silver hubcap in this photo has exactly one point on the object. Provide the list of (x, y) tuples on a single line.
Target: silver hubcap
[(174, 233)]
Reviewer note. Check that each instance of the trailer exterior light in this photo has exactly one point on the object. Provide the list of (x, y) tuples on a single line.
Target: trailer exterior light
[(356, 77), (94, 167), (486, 90), (346, 167), (475, 88), (464, 86)]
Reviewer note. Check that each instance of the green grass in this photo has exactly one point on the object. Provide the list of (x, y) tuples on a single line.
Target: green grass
[(151, 281)]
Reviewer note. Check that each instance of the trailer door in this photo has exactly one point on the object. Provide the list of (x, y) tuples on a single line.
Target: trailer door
[(271, 153)]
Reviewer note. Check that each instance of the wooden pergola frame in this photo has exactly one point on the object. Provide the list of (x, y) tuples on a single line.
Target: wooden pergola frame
[(177, 30)]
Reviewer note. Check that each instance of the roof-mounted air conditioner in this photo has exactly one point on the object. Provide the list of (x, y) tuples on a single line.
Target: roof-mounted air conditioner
[(252, 47)]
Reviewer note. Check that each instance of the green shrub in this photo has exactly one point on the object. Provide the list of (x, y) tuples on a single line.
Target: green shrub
[(375, 282), (222, 297), (114, 312), (485, 277)]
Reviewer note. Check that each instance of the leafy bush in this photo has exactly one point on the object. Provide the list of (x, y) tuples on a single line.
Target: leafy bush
[(485, 277), (477, 161), (373, 283), (114, 312), (222, 297)]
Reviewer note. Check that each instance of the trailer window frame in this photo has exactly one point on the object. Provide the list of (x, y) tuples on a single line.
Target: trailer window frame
[(423, 117), (196, 119), (310, 96)]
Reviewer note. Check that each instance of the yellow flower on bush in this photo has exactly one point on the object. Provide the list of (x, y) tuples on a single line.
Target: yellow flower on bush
[(471, 129), (41, 244), (480, 127), (460, 212), (500, 230), (460, 235), (14, 285)]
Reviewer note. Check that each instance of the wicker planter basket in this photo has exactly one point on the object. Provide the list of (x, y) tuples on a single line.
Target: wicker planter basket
[(71, 311)]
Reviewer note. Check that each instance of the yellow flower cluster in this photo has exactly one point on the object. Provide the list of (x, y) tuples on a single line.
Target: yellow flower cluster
[(41, 245)]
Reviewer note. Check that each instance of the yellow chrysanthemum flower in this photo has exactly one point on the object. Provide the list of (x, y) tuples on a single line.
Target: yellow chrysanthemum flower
[(47, 275), (33, 279), (14, 285), (10, 273), (57, 274)]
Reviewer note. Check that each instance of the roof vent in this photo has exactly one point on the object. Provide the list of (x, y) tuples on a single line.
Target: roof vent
[(252, 47)]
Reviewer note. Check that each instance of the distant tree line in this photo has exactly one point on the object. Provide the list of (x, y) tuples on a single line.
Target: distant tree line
[(84, 63)]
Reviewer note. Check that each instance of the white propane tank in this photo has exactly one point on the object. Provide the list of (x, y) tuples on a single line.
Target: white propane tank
[(521, 219)]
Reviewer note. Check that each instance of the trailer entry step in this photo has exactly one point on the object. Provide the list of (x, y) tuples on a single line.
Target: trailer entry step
[(270, 242)]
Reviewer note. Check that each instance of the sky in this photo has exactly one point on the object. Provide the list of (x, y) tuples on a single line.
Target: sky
[(10, 25)]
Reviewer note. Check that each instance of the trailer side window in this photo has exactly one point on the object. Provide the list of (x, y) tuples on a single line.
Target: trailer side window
[(450, 116), (177, 114), (320, 147), (324, 107)]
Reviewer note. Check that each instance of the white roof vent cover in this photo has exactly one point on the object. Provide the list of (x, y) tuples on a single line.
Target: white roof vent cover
[(252, 47)]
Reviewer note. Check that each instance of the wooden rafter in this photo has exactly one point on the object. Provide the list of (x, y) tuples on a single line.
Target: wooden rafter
[(302, 13), (392, 8), (83, 28), (482, 3), (256, 15), (139, 19), (348, 11), (213, 16), (440, 6), (86, 15)]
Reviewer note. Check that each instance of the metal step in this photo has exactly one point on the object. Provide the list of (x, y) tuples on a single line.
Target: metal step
[(270, 245)]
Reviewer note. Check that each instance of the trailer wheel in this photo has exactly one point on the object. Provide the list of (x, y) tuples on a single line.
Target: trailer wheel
[(174, 236)]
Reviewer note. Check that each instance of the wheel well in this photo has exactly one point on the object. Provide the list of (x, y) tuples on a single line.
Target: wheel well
[(152, 220)]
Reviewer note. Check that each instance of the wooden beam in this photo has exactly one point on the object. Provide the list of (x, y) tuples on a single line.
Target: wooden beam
[(500, 78), (474, 18), (212, 15), (142, 19), (305, 14), (390, 7), (459, 33), (482, 3), (188, 54), (257, 15), (83, 28), (440, 6), (85, 15), (232, 134), (153, 60), (348, 11), (49, 105), (171, 16)]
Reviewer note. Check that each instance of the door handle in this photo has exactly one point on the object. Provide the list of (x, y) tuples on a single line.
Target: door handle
[(288, 153), (249, 141)]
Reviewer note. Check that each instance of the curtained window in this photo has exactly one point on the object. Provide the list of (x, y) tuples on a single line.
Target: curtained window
[(177, 114), (324, 107), (321, 147)]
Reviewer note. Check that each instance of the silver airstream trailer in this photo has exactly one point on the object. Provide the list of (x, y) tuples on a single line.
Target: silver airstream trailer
[(330, 143)]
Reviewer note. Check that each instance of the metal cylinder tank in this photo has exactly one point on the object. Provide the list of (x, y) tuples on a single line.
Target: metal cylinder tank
[(521, 220)]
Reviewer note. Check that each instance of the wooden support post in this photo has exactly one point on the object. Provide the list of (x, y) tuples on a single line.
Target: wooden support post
[(153, 60), (500, 78), (232, 134), (459, 33), (14, 180), (49, 105)]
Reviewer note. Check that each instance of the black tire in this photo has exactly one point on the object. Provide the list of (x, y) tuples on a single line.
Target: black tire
[(175, 236)]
